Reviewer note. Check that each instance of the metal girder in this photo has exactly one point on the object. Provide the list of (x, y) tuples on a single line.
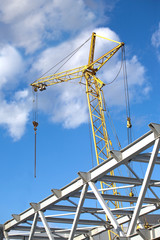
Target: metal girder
[(106, 209), (90, 210), (69, 194), (6, 235), (128, 180), (145, 157), (53, 229), (147, 234), (33, 226), (70, 221), (144, 187), (73, 209), (121, 220), (78, 212), (46, 226), (111, 197)]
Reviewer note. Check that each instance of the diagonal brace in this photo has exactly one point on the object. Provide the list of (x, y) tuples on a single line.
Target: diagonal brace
[(106, 209), (78, 211), (33, 226), (46, 226), (6, 235), (144, 187)]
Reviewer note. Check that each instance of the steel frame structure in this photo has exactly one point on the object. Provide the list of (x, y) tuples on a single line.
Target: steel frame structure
[(71, 212)]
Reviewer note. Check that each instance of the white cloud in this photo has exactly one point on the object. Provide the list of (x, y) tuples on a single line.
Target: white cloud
[(156, 37), (11, 64), (51, 56), (138, 86), (31, 23), (17, 9), (156, 41), (70, 108), (36, 24), (67, 102), (14, 115), (20, 95), (14, 105)]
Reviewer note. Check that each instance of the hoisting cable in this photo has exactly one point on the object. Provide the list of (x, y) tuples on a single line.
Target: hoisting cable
[(128, 114), (129, 125), (35, 97), (68, 57), (35, 125), (107, 109), (72, 54), (116, 75)]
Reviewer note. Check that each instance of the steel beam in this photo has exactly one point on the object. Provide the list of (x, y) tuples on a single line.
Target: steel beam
[(120, 198), (144, 186), (144, 158), (83, 211), (144, 211), (73, 209), (70, 221), (119, 211), (128, 180), (55, 230), (91, 210), (6, 235), (147, 234), (106, 209), (128, 153), (33, 226), (46, 226), (121, 220)]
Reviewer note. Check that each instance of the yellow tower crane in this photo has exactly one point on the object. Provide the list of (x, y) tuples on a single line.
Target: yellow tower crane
[(94, 93)]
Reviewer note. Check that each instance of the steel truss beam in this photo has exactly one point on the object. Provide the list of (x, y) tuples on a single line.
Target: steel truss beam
[(27, 224)]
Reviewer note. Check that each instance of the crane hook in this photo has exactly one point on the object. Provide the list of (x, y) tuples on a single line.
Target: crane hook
[(35, 124)]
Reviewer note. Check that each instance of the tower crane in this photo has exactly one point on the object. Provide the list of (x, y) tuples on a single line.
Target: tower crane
[(94, 93)]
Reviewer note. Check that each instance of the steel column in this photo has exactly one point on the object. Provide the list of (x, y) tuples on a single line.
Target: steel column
[(144, 186), (106, 209), (78, 211)]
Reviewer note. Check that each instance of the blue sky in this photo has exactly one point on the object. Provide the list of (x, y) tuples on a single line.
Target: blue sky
[(35, 35)]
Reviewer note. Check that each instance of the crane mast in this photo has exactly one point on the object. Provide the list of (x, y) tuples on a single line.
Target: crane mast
[(94, 96)]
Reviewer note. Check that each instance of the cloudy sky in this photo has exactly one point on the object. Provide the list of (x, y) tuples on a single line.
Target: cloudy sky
[(35, 35)]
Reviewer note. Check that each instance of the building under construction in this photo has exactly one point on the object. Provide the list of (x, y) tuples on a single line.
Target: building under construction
[(112, 200)]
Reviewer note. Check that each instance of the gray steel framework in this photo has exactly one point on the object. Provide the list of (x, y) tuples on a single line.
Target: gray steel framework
[(71, 212)]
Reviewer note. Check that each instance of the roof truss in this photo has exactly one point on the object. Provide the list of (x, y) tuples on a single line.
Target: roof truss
[(72, 208)]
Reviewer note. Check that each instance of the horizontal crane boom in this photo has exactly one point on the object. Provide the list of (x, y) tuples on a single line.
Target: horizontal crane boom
[(76, 73)]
